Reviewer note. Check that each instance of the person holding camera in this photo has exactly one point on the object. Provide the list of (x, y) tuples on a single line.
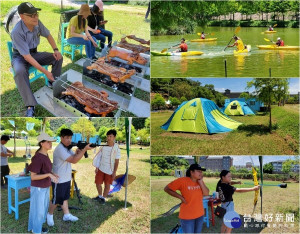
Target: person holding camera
[(5, 153), (226, 191), (41, 176), (192, 189), (63, 157), (106, 162)]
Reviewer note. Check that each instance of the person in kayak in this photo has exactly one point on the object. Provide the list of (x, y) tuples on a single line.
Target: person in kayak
[(238, 43), (192, 190), (226, 190), (280, 42), (203, 35), (270, 28), (183, 47)]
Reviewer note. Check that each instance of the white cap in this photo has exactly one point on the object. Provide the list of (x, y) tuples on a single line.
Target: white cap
[(45, 137), (99, 4), (278, 38)]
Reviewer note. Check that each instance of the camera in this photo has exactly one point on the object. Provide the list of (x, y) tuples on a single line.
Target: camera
[(81, 144)]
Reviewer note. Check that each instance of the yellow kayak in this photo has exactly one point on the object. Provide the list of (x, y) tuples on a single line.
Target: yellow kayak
[(204, 40), (244, 51), (189, 53), (275, 47), (268, 32)]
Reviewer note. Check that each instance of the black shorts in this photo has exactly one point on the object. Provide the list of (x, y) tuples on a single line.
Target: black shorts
[(60, 192)]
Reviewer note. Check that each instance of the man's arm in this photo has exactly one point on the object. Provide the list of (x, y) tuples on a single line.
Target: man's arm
[(57, 54), (115, 169), (78, 155), (6, 154)]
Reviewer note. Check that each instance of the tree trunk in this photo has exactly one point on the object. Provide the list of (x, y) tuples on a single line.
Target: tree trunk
[(61, 4), (270, 123)]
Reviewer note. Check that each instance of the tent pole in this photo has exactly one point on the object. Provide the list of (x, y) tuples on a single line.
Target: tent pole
[(128, 131)]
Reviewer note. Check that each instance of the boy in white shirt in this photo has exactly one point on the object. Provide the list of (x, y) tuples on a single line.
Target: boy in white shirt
[(107, 162)]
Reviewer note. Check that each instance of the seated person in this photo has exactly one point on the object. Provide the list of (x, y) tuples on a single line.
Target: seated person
[(95, 26), (183, 47), (280, 42), (270, 28), (78, 25), (25, 40)]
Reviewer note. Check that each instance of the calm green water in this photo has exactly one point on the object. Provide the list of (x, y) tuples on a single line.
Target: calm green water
[(211, 63)]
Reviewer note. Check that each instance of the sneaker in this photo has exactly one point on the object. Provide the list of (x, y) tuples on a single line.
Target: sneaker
[(102, 201), (50, 220), (45, 230), (30, 111), (97, 198), (70, 217)]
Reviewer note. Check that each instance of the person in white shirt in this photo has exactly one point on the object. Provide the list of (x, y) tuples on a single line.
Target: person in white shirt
[(106, 162), (63, 158), (5, 153)]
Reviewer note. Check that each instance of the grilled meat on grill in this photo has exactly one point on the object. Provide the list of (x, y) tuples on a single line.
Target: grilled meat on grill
[(95, 102), (140, 40), (128, 56), (135, 48), (116, 74)]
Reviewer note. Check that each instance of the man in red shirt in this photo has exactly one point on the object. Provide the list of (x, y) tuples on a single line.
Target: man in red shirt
[(279, 42), (183, 46)]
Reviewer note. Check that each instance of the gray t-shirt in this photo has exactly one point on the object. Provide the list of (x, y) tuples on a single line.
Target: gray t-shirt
[(4, 160), (60, 166), (23, 39)]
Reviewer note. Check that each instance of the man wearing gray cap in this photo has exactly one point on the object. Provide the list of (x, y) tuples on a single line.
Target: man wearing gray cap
[(26, 38)]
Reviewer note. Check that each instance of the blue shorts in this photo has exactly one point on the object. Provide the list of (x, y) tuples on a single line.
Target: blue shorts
[(60, 192), (227, 207)]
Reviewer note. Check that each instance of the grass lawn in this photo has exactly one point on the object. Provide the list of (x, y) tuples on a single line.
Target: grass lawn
[(119, 22), (94, 217), (275, 201), (251, 138), (21, 142)]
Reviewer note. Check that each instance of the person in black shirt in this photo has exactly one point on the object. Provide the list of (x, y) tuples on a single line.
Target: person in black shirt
[(226, 191), (95, 26)]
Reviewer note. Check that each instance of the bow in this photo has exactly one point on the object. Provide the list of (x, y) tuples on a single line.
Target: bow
[(255, 180)]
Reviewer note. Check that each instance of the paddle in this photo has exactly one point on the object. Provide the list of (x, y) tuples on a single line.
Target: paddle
[(166, 49), (269, 40), (199, 34), (235, 32)]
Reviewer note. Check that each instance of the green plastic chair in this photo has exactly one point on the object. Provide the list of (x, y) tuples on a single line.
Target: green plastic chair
[(32, 70), (65, 43)]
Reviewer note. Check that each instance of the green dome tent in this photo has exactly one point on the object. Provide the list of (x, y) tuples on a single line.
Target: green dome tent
[(199, 115), (237, 108)]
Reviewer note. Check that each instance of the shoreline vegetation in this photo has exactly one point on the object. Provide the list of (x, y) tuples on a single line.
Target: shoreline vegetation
[(184, 17)]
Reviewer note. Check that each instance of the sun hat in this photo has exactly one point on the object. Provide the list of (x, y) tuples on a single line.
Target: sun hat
[(84, 10), (45, 137), (278, 38)]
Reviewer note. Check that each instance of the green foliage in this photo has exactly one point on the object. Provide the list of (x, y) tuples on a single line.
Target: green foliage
[(184, 89), (158, 102), (102, 133), (245, 95), (166, 165), (85, 127), (64, 126), (184, 16), (6, 132), (268, 168), (32, 133)]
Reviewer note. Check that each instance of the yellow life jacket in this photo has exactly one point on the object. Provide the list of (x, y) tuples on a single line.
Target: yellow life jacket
[(240, 45)]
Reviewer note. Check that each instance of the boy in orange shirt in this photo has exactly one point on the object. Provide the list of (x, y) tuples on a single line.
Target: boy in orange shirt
[(192, 189)]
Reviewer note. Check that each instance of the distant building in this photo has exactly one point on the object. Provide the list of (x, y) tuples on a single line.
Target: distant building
[(216, 163), (277, 167)]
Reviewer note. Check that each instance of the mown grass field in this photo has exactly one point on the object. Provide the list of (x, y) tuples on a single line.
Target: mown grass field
[(251, 138), (275, 201), (94, 217), (120, 22)]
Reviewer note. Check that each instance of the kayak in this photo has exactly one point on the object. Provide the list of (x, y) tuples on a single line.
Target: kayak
[(275, 47), (204, 40), (189, 53), (244, 51), (267, 32)]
